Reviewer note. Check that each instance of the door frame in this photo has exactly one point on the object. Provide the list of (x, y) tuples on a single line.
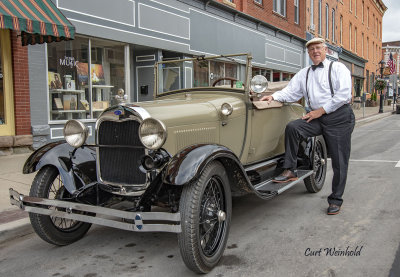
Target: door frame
[(7, 129)]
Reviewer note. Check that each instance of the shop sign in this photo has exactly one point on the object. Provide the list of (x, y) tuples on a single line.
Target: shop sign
[(68, 61), (332, 54)]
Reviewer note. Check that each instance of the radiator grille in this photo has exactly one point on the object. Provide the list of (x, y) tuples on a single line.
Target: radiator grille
[(119, 164)]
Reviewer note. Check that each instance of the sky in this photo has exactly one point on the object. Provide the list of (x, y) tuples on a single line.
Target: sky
[(390, 23)]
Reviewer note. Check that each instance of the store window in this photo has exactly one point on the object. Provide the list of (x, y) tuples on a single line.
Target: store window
[(107, 74), (83, 83), (262, 71), (286, 76), (207, 72), (276, 76)]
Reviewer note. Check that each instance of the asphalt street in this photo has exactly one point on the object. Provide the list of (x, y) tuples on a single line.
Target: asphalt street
[(290, 235)]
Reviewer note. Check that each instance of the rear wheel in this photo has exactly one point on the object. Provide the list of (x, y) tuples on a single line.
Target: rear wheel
[(205, 208), (315, 181), (54, 230)]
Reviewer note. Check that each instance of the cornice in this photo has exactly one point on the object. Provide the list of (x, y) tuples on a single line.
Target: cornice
[(380, 6)]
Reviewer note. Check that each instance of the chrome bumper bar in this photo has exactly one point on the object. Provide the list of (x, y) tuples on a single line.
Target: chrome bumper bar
[(142, 221)]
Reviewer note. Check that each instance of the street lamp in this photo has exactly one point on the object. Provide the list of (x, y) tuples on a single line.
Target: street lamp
[(382, 65)]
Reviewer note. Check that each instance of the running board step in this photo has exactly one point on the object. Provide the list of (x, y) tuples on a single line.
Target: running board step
[(269, 186)]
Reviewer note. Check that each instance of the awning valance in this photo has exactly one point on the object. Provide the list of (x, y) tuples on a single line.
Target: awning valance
[(38, 21)]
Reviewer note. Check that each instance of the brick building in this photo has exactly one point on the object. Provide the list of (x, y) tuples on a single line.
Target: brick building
[(353, 30), (21, 25), (286, 15), (15, 123), (391, 47), (362, 34)]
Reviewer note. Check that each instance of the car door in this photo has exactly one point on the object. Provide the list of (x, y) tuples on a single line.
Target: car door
[(268, 124)]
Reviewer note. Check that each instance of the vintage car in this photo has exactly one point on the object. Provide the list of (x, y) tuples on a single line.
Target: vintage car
[(172, 164)]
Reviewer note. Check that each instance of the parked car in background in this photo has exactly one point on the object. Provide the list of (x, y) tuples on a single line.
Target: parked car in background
[(172, 164)]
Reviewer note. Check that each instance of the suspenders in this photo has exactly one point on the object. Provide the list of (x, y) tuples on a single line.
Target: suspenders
[(330, 82)]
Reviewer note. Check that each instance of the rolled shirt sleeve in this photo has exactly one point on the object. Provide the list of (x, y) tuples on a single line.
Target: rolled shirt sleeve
[(293, 91)]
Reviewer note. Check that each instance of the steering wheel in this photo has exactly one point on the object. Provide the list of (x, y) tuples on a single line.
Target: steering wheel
[(224, 78)]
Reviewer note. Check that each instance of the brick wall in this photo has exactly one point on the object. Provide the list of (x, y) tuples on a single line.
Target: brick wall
[(21, 86), (266, 13)]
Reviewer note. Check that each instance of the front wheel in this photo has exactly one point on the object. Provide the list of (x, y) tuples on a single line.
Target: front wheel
[(54, 230), (205, 208), (316, 180)]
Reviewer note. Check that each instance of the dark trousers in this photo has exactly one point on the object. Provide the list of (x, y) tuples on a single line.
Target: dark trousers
[(336, 129)]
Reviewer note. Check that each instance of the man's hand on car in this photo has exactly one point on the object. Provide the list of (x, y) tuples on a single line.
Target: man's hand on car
[(267, 98)]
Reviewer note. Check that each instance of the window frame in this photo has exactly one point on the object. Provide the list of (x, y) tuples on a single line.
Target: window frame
[(333, 25), (320, 17), (277, 7), (326, 21)]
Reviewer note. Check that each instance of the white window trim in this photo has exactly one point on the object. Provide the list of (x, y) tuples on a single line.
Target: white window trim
[(277, 7)]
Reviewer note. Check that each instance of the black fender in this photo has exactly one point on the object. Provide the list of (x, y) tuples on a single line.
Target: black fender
[(77, 166), (188, 164)]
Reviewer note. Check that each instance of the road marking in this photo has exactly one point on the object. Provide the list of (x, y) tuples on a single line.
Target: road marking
[(374, 161)]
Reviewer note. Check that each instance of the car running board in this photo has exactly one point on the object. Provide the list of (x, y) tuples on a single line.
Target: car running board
[(271, 187)]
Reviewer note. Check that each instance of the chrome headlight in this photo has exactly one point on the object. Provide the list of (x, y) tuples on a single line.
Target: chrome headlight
[(75, 133), (152, 133), (259, 84)]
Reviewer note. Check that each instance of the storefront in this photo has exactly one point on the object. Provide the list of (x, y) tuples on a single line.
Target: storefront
[(7, 126), (23, 23), (356, 65), (112, 57)]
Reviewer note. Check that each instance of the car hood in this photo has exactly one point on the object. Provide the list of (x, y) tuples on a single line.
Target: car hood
[(191, 110)]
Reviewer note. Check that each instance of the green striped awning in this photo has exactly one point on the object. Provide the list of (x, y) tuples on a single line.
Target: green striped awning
[(38, 21)]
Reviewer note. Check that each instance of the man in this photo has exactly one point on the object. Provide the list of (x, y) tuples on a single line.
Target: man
[(330, 116)]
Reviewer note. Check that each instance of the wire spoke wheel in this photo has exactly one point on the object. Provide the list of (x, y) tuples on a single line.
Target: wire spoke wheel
[(315, 182), (55, 230), (211, 228), (205, 208), (58, 191)]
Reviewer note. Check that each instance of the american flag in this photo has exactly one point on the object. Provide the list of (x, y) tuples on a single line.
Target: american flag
[(391, 64)]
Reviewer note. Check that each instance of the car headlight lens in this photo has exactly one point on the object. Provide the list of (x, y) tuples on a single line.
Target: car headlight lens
[(75, 133), (259, 84), (152, 133), (226, 109)]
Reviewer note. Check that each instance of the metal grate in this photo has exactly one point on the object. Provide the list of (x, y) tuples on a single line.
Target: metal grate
[(120, 164)]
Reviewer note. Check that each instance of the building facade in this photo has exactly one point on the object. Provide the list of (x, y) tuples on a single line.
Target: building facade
[(117, 44), (391, 47), (353, 31)]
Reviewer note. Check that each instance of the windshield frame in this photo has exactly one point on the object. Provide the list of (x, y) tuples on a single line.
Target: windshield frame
[(246, 83)]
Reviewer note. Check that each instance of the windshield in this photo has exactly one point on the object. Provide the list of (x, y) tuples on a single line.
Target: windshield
[(220, 71)]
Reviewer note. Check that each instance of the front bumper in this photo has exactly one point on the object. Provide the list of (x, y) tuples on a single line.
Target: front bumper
[(142, 221)]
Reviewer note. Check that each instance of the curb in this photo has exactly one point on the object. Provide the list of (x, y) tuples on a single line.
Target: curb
[(15, 229), (368, 119), (22, 227)]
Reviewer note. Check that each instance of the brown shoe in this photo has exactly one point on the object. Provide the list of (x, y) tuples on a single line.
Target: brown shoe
[(286, 176), (333, 209)]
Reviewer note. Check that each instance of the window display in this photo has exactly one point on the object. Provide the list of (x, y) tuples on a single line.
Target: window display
[(107, 74), (72, 94), (65, 90)]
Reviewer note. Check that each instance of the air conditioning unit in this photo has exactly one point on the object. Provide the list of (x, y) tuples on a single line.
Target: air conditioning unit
[(312, 27)]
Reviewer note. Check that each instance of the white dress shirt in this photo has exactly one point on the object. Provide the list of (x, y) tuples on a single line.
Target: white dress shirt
[(319, 92)]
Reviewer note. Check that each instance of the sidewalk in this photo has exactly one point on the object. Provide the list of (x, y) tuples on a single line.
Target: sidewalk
[(15, 223)]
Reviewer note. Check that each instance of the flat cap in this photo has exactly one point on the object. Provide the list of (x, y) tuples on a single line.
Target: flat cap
[(315, 40)]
